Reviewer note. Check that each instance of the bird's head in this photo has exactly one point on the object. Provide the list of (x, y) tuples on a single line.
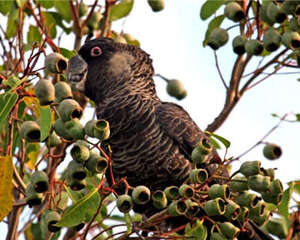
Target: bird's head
[(104, 67)]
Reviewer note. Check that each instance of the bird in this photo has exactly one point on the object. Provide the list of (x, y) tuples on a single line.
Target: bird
[(151, 140)]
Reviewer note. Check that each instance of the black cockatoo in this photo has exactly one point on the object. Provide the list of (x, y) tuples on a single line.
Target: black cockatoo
[(151, 140)]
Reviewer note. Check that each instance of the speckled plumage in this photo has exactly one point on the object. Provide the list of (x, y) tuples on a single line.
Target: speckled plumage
[(151, 140)]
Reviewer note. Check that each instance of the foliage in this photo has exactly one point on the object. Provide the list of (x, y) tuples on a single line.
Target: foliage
[(38, 124)]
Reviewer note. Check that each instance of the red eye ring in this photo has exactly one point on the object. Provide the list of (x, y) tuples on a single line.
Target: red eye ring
[(96, 51)]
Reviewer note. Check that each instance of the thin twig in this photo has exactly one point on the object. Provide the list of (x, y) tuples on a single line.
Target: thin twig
[(219, 70)]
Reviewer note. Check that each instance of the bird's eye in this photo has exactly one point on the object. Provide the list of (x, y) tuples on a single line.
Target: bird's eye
[(96, 51)]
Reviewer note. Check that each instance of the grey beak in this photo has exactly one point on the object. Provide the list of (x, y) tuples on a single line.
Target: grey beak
[(77, 69)]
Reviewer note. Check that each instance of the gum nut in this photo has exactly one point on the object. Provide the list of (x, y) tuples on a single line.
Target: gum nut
[(254, 47), (141, 195), (69, 109), (271, 40), (62, 91), (238, 44), (217, 38), (39, 181), (56, 63), (30, 131), (272, 151), (156, 5), (234, 11), (45, 92)]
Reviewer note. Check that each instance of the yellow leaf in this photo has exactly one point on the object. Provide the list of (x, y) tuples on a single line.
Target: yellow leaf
[(6, 174), (33, 153)]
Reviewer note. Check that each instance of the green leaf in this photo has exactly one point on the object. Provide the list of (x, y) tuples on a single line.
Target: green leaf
[(45, 121), (284, 204), (20, 3), (67, 53), (6, 197), (46, 4), (33, 35), (59, 21), (50, 22), (14, 82), (7, 102), (214, 23), (210, 7), (214, 143), (12, 22), (5, 6), (63, 7), (78, 212), (196, 231), (121, 10), (223, 140), (297, 116)]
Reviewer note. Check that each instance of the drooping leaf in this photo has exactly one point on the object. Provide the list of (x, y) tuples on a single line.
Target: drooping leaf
[(77, 213), (121, 9), (210, 7), (12, 22), (6, 197), (5, 6), (32, 153), (214, 23), (46, 4), (7, 102), (63, 7), (223, 140), (50, 22), (45, 121), (67, 53), (284, 204), (33, 35)]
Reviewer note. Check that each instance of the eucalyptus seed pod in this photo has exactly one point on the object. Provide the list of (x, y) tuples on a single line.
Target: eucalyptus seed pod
[(172, 193), (271, 40), (186, 191), (56, 63), (272, 151), (156, 5), (229, 230), (193, 208), (254, 47), (219, 191), (80, 152), (260, 220), (89, 128), (75, 129), (276, 187), (177, 208), (289, 6), (96, 163), (60, 129), (69, 109), (263, 15), (269, 198), (32, 197), (53, 140), (259, 183), (217, 38), (291, 40), (270, 172), (201, 151), (62, 91), (175, 88), (277, 227), (75, 184), (82, 9), (159, 199), (250, 168), (124, 203), (30, 131), (294, 24), (238, 44), (101, 129), (215, 207), (258, 210), (247, 199), (45, 92), (51, 218), (234, 11), (76, 171), (93, 23), (243, 214), (141, 194), (198, 176), (276, 13), (238, 183), (39, 181), (233, 210)]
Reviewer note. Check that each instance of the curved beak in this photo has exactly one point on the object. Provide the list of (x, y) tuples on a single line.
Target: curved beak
[(77, 72)]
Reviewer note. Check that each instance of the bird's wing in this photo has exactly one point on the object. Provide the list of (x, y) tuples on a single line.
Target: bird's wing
[(178, 124)]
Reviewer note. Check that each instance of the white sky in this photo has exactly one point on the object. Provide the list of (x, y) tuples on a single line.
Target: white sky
[(174, 38)]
